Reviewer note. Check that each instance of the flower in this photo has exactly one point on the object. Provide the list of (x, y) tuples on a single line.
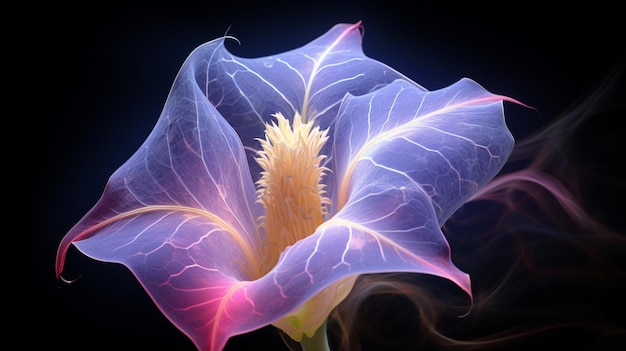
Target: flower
[(268, 185)]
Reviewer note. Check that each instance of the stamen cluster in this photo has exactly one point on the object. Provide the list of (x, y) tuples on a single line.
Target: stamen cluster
[(290, 187)]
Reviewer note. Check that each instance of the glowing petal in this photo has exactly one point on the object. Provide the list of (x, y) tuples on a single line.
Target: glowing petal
[(184, 224), (449, 142), (311, 80)]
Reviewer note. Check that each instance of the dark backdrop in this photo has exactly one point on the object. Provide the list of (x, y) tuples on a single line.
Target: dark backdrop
[(99, 76)]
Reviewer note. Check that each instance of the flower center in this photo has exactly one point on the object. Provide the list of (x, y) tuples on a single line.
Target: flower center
[(290, 187)]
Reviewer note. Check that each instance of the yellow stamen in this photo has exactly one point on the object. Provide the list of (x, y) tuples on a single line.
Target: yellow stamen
[(290, 187)]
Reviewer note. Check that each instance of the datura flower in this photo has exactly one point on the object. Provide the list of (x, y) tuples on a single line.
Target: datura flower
[(268, 185)]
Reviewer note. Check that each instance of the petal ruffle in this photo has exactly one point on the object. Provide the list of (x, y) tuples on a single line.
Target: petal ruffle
[(180, 213), (448, 142), (311, 80)]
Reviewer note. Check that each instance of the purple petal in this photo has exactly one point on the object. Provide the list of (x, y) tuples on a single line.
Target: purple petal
[(391, 231), (449, 142), (311, 80), (180, 213)]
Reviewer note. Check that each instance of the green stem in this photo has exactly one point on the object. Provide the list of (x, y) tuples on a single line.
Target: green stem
[(318, 342)]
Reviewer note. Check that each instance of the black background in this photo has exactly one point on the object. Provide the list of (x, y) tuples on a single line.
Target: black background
[(97, 77)]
